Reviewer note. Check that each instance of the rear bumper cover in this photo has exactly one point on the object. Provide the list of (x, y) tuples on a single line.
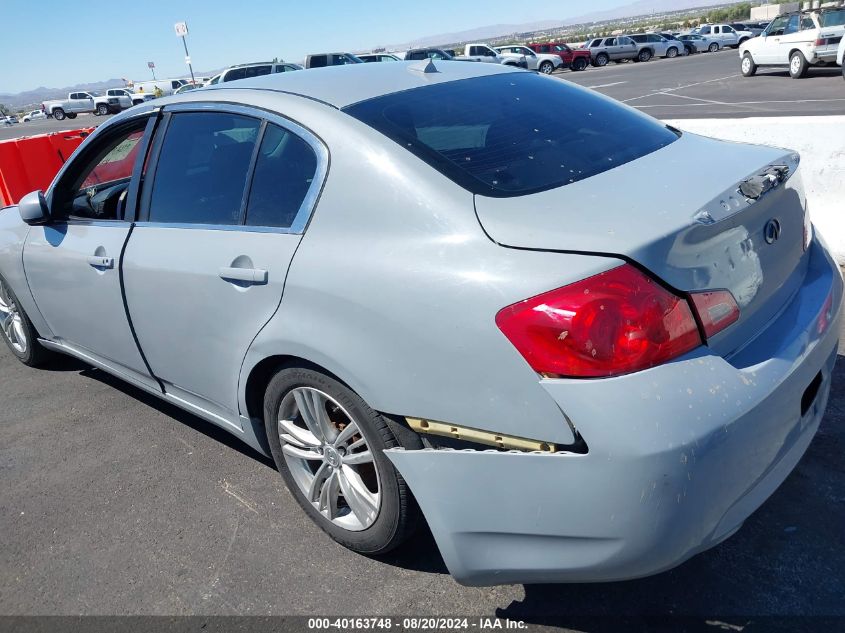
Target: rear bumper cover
[(679, 456)]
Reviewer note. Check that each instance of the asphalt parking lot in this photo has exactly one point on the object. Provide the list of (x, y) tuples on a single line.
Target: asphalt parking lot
[(709, 85), (116, 503)]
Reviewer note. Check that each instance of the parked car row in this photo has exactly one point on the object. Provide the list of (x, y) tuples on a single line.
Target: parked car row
[(642, 47)]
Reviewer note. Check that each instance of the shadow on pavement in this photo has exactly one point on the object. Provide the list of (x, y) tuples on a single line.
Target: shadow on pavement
[(188, 419)]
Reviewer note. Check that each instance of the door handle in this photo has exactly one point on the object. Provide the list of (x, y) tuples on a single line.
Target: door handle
[(248, 275), (101, 262)]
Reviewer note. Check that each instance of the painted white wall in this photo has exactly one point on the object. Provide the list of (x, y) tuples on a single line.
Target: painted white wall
[(820, 140)]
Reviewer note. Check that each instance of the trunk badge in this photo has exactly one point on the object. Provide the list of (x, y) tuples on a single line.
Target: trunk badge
[(772, 231)]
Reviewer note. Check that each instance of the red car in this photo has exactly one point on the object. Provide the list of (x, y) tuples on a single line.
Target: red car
[(573, 59)]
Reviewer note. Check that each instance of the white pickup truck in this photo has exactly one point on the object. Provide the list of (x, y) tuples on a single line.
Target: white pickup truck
[(115, 100), (480, 53)]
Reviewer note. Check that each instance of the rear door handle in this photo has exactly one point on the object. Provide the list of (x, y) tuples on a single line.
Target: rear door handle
[(101, 262), (249, 275)]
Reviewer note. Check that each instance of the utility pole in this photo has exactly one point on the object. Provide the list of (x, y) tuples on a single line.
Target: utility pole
[(182, 31), (152, 67)]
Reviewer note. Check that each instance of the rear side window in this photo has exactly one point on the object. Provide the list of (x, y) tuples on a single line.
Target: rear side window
[(284, 172), (832, 18), (201, 173), (516, 143), (234, 74), (318, 61)]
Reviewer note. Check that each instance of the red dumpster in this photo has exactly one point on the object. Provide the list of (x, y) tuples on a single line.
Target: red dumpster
[(31, 162)]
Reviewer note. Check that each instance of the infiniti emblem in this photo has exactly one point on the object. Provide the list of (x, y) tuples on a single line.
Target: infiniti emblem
[(772, 231)]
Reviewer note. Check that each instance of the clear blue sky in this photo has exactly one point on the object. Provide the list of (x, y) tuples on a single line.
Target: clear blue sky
[(55, 44)]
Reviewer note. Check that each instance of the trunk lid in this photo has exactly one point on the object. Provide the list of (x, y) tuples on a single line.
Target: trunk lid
[(679, 213)]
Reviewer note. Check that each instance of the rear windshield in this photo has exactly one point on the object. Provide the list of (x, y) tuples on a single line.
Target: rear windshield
[(513, 134), (833, 18)]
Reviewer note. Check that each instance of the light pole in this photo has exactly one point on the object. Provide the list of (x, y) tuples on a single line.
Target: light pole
[(181, 29)]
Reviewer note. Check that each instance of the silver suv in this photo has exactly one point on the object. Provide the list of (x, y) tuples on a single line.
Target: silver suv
[(607, 49), (652, 45)]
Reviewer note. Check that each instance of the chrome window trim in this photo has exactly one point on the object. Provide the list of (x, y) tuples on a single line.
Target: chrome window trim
[(217, 227), (309, 203)]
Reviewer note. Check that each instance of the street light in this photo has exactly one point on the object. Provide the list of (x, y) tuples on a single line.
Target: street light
[(181, 29)]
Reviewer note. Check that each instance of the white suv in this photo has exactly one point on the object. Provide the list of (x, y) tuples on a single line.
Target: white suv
[(798, 40)]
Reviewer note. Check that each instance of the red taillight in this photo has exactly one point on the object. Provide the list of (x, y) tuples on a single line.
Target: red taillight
[(821, 41), (613, 323), (717, 309)]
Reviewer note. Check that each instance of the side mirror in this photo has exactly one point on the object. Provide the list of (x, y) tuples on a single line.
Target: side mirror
[(33, 208)]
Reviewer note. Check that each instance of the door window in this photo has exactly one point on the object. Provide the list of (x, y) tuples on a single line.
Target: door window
[(283, 175), (202, 168), (96, 190), (778, 25), (793, 26)]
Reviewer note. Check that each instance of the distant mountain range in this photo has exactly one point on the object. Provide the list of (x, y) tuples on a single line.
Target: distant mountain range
[(638, 8)]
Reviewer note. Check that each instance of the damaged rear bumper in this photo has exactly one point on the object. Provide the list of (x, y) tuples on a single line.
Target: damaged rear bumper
[(679, 456)]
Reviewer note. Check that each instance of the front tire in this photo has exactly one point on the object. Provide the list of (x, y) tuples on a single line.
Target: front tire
[(671, 52), (644, 55), (328, 445), (58, 114), (798, 65), (579, 64), (17, 330), (714, 46), (547, 68), (602, 59), (747, 66), (102, 109), (71, 115)]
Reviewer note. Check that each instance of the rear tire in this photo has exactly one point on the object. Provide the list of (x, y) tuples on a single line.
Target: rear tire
[(798, 65), (58, 114), (579, 64), (547, 68), (747, 66), (671, 52), (714, 46), (644, 55), (602, 59), (396, 514), (18, 332)]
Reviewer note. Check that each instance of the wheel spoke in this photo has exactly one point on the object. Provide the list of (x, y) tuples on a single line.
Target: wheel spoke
[(360, 500), (317, 484), (294, 434), (20, 335), (301, 453), (346, 434), (353, 459), (7, 327), (357, 444), (329, 496), (318, 404), (309, 413)]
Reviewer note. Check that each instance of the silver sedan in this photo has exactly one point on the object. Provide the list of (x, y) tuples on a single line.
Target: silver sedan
[(420, 307)]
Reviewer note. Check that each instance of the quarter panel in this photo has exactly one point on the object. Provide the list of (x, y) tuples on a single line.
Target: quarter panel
[(395, 289)]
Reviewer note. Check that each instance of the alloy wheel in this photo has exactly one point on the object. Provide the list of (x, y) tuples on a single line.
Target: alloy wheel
[(11, 321), (329, 458)]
